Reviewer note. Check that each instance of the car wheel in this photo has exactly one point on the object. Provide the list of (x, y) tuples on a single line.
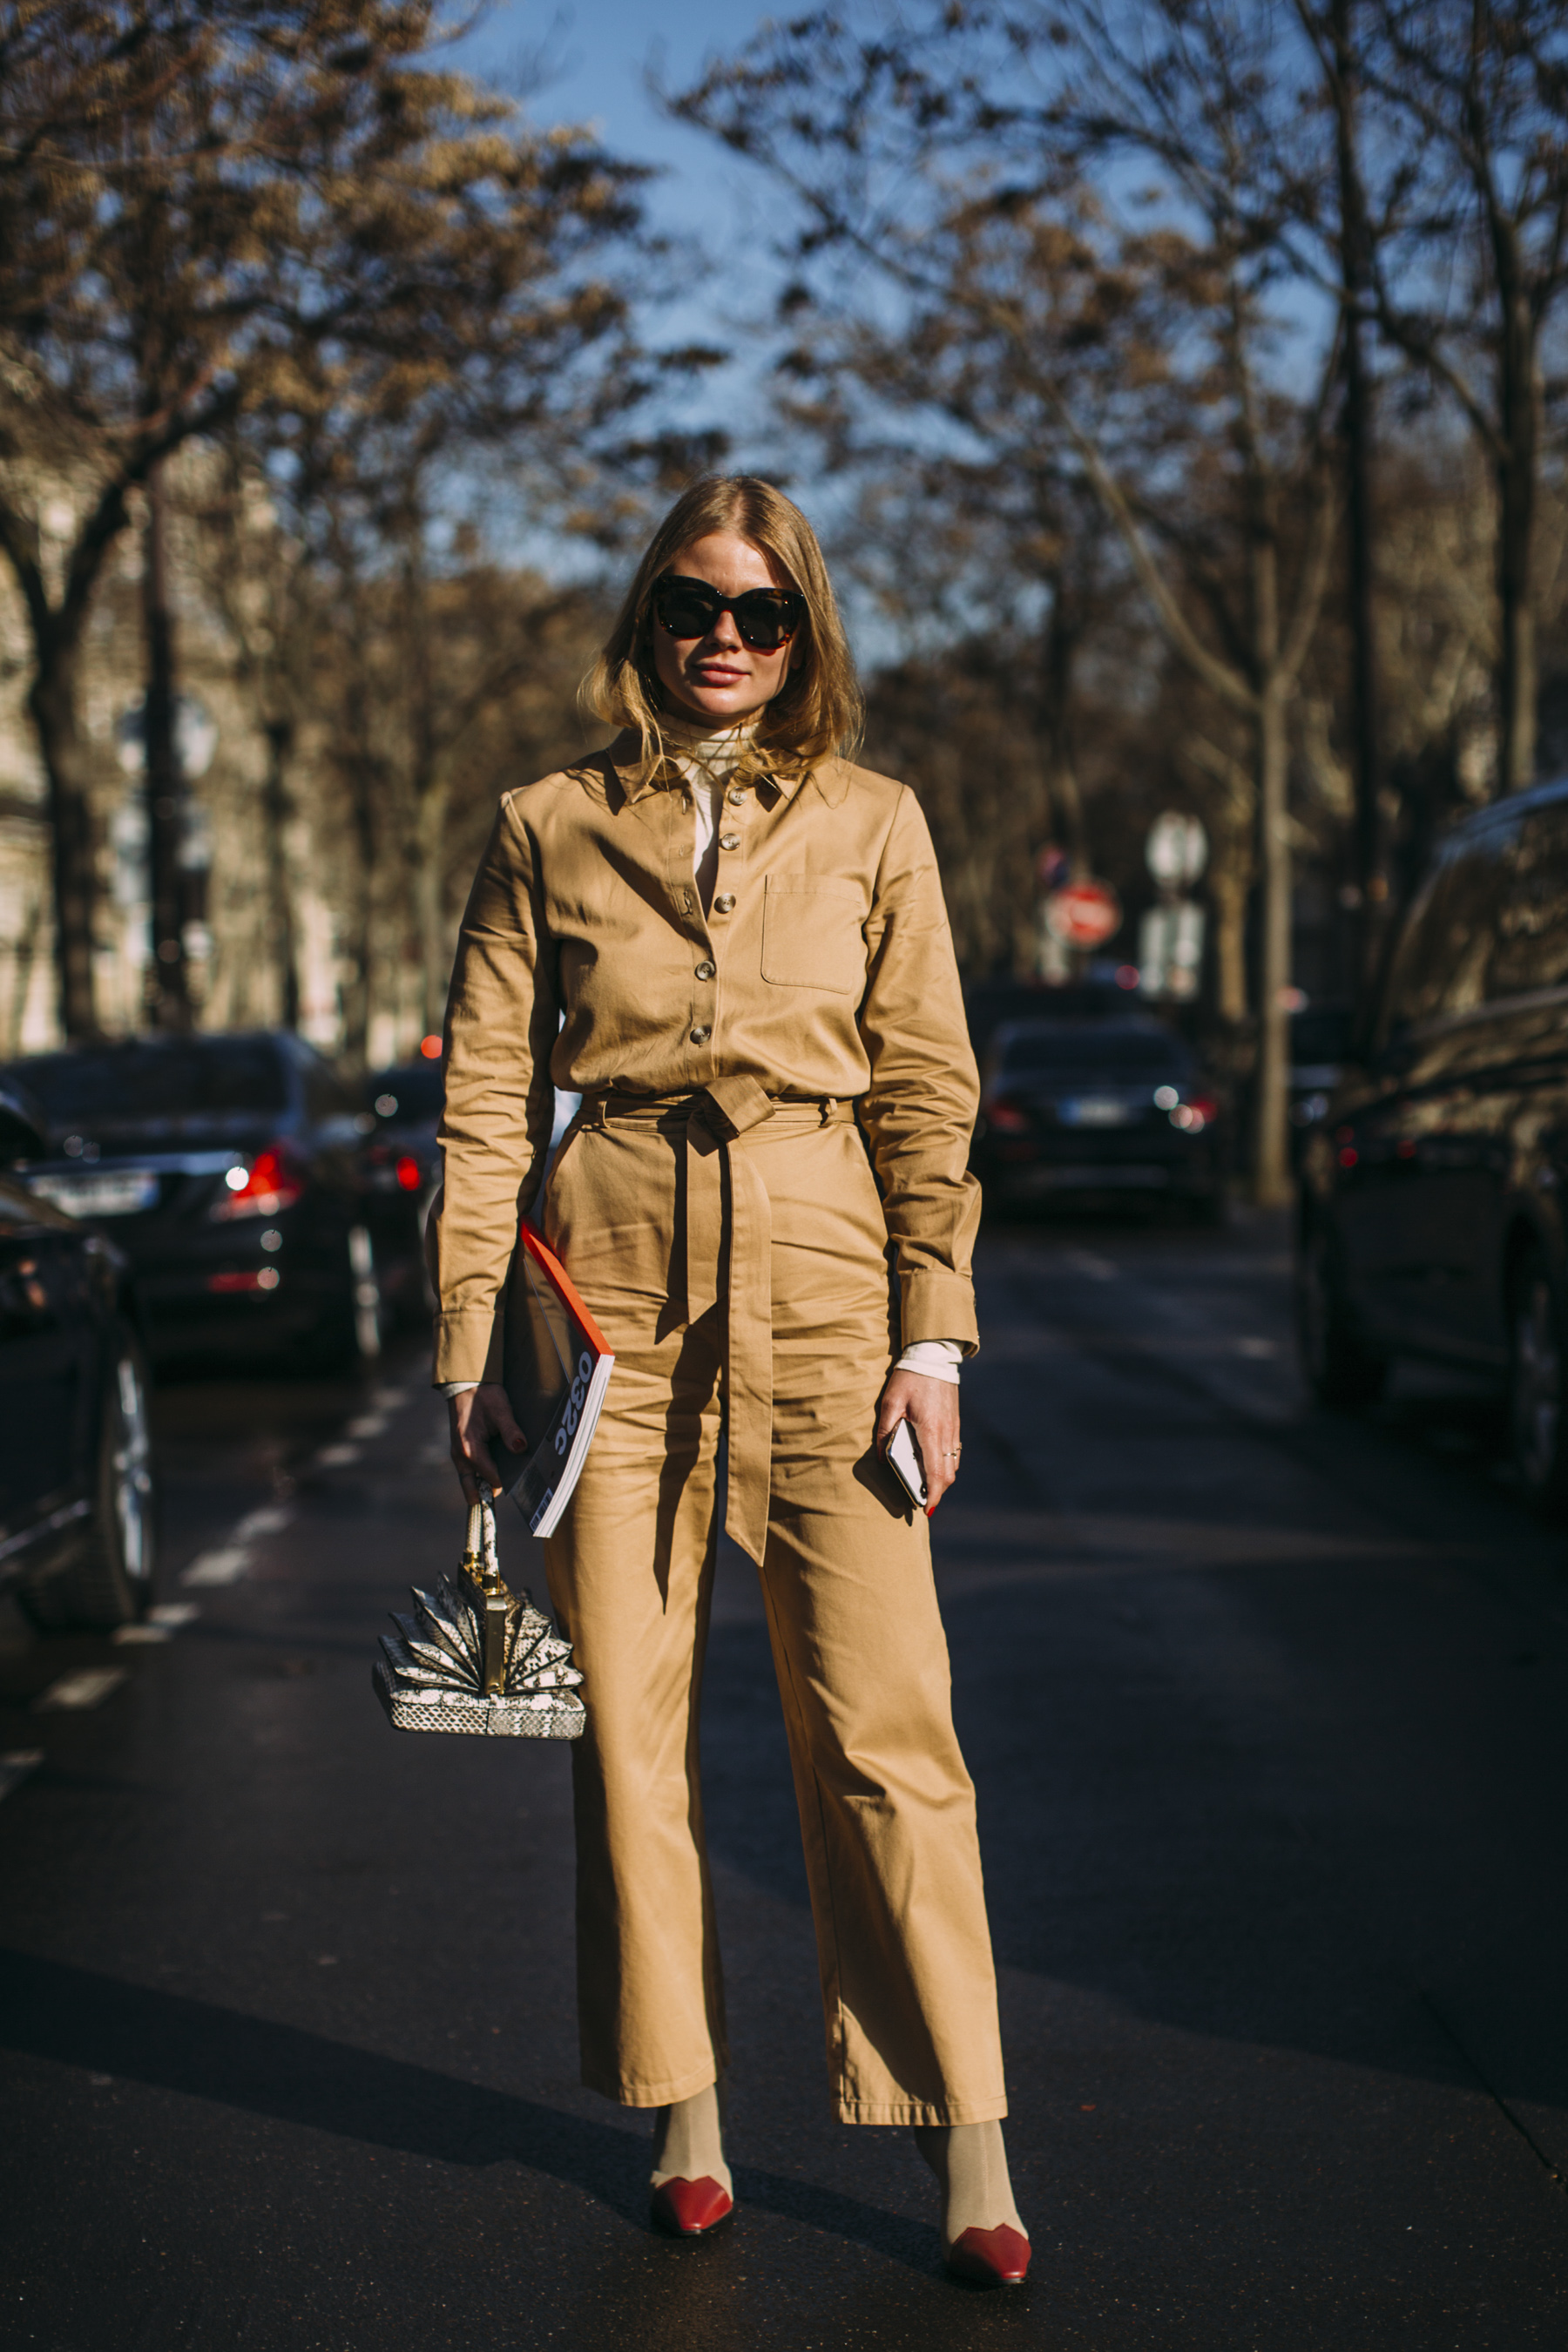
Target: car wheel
[(1536, 1426), (109, 1582), (1343, 1373)]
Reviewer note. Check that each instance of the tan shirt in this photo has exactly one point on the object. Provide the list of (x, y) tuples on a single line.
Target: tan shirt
[(823, 968)]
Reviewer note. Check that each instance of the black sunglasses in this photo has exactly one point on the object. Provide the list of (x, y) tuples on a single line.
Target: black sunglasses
[(766, 618)]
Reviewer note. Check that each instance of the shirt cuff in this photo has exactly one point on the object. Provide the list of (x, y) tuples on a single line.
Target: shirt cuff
[(456, 1387), (934, 1360)]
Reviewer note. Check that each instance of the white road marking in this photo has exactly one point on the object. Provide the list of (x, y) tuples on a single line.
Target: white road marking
[(225, 1566), (1099, 1269), (369, 1424), (1259, 1350), (89, 1686), (125, 1637), (337, 1457), (388, 1399), (174, 1614), (16, 1766), (269, 1521)]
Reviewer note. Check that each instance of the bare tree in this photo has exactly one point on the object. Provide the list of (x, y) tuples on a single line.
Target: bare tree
[(1474, 100), (871, 134), (292, 217)]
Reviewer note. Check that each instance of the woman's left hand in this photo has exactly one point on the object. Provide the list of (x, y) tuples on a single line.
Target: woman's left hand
[(931, 1407)]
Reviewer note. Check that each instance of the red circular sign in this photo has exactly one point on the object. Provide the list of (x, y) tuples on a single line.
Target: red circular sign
[(1084, 914)]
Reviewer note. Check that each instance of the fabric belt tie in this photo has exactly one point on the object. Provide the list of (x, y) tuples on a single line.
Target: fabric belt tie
[(715, 1123)]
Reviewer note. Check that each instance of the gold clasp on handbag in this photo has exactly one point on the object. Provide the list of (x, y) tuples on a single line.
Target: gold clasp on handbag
[(482, 1567)]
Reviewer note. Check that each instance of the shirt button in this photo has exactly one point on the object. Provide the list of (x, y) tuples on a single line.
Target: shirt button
[(704, 972), (700, 1036), (737, 796), (724, 902)]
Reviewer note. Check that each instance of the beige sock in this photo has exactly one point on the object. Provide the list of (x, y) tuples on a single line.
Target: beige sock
[(971, 2164), (688, 2140)]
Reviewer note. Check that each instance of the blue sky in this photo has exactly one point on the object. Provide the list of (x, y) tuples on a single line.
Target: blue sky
[(599, 54), (601, 50)]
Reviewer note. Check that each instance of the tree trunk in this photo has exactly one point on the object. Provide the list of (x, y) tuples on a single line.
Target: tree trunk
[(1372, 887), (1056, 717), (278, 810), (69, 767), (1271, 1158), (1230, 886), (430, 896), (357, 994), (23, 954), (1518, 680), (168, 993)]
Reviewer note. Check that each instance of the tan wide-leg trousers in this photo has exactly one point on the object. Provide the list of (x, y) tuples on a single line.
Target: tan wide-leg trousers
[(887, 1808)]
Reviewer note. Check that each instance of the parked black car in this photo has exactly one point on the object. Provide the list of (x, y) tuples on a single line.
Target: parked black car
[(1098, 1106), (407, 1104), (229, 1169), (404, 1165), (78, 1506), (1321, 1042), (1431, 1214), (987, 1003)]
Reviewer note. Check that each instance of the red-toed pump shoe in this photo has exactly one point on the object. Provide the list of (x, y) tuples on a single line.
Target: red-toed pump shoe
[(690, 2209), (989, 2257)]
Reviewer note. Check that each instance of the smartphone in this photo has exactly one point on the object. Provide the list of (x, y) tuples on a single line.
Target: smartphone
[(903, 1458)]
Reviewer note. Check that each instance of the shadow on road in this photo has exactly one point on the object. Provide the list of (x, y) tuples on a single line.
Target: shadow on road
[(76, 2017)]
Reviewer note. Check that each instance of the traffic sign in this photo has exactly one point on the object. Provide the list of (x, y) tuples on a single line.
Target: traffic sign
[(1083, 914), (1170, 949), (1177, 848)]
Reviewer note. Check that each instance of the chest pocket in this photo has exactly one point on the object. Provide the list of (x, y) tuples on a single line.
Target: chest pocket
[(811, 933)]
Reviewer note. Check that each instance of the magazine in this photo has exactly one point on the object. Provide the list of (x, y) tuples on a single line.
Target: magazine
[(556, 1366)]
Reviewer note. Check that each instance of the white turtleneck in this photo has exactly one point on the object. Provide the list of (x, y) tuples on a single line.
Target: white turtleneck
[(708, 758)]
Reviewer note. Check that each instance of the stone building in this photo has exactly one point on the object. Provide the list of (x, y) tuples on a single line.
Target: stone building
[(235, 981)]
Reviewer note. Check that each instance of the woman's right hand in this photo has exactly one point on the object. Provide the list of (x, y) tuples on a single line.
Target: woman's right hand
[(478, 1415)]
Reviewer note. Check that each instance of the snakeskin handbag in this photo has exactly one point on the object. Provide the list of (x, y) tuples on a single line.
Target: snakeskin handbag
[(473, 1657)]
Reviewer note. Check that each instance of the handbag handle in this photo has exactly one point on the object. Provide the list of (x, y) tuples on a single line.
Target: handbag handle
[(479, 1560), (482, 1567)]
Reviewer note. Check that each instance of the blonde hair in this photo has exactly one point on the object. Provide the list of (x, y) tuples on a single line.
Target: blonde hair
[(819, 709)]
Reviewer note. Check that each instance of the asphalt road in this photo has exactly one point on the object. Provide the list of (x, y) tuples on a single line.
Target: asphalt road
[(1267, 1716)]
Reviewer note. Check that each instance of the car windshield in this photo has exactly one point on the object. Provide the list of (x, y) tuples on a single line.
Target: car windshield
[(156, 1078), (1102, 1051), (411, 1093)]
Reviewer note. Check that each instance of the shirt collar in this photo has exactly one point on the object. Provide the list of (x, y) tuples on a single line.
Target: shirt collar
[(636, 781)]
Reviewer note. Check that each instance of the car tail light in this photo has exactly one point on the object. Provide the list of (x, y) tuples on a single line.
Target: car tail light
[(1193, 1115), (263, 1189), (408, 1174), (1007, 1117)]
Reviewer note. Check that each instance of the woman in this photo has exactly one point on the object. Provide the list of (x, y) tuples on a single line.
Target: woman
[(732, 944)]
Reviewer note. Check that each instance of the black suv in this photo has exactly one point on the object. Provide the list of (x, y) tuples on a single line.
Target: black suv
[(1432, 1215)]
